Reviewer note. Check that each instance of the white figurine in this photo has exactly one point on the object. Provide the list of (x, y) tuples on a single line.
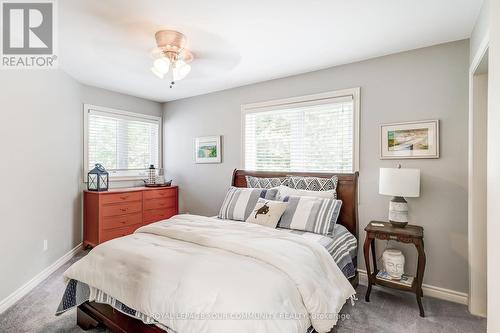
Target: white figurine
[(394, 263)]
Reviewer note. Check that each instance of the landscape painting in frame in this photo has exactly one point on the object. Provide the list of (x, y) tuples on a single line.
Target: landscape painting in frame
[(208, 149), (418, 139)]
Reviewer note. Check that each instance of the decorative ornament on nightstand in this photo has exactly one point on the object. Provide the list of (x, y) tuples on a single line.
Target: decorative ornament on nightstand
[(98, 179), (399, 183), (394, 263)]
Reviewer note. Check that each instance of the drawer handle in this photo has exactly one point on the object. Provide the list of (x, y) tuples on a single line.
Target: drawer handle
[(123, 209), (124, 197)]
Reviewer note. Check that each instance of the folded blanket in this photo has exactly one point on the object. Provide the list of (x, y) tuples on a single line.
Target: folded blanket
[(232, 276)]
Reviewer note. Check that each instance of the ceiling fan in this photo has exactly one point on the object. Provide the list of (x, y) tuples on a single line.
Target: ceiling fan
[(171, 58)]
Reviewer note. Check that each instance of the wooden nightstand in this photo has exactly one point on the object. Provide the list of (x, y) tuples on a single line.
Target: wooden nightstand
[(410, 234)]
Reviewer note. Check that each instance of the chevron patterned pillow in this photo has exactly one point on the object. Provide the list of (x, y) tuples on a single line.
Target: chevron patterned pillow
[(313, 183), (257, 182)]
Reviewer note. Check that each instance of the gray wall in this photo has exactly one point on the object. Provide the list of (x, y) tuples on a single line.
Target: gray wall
[(41, 151), (421, 84), (111, 99)]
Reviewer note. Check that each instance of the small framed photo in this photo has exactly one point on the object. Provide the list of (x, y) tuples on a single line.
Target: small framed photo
[(417, 139), (208, 149)]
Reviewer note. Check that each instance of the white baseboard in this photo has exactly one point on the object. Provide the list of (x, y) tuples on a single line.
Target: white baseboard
[(431, 291), (31, 284)]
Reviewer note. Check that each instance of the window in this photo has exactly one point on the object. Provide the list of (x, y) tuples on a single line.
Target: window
[(316, 133), (124, 143)]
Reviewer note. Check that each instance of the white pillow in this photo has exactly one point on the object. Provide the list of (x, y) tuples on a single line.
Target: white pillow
[(285, 191), (267, 212)]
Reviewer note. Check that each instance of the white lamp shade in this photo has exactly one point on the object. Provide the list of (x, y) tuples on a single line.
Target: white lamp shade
[(399, 182)]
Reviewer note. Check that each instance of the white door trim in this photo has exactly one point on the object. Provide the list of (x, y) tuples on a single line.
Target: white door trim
[(477, 302)]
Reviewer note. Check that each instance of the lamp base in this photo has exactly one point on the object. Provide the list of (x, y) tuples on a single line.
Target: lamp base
[(398, 212), (398, 224)]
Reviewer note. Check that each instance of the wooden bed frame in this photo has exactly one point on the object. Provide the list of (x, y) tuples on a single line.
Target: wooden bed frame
[(92, 314), (347, 191)]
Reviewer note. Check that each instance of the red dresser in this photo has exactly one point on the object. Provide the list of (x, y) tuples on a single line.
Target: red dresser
[(119, 212)]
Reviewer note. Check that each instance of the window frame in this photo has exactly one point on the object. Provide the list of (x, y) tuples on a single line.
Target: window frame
[(307, 100), (103, 109)]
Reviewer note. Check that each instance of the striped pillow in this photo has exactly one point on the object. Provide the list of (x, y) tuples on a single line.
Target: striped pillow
[(317, 215), (240, 202)]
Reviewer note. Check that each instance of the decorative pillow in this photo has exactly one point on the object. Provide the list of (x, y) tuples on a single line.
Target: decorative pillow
[(257, 182), (267, 212), (285, 191), (240, 202), (317, 215), (313, 183)]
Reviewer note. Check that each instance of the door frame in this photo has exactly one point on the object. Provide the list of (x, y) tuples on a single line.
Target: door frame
[(477, 271)]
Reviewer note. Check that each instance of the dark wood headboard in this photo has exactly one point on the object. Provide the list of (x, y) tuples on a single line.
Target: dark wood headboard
[(347, 191)]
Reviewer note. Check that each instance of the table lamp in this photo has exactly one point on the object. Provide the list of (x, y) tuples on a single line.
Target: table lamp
[(399, 183)]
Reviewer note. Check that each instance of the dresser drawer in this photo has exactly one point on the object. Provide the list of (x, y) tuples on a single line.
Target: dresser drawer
[(118, 221), (122, 208), (160, 193), (118, 232), (156, 215), (159, 203), (121, 197)]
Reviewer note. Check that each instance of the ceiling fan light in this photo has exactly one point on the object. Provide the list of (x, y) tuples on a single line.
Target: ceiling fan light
[(161, 65), (171, 56), (181, 70), (184, 70), (157, 73)]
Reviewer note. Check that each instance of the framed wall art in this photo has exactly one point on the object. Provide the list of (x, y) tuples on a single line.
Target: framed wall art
[(416, 139), (208, 149)]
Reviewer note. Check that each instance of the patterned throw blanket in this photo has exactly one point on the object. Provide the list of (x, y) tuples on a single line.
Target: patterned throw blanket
[(342, 246), (78, 293)]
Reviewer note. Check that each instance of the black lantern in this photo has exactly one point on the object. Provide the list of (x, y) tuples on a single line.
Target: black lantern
[(98, 179)]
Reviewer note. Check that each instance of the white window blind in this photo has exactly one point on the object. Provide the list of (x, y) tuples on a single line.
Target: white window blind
[(126, 144), (306, 136)]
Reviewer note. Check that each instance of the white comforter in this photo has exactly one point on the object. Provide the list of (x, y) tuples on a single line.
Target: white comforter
[(232, 276)]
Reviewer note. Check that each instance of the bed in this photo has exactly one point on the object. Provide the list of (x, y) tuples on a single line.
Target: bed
[(188, 233)]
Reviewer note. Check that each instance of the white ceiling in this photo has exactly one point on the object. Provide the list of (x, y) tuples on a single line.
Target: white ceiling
[(107, 43)]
